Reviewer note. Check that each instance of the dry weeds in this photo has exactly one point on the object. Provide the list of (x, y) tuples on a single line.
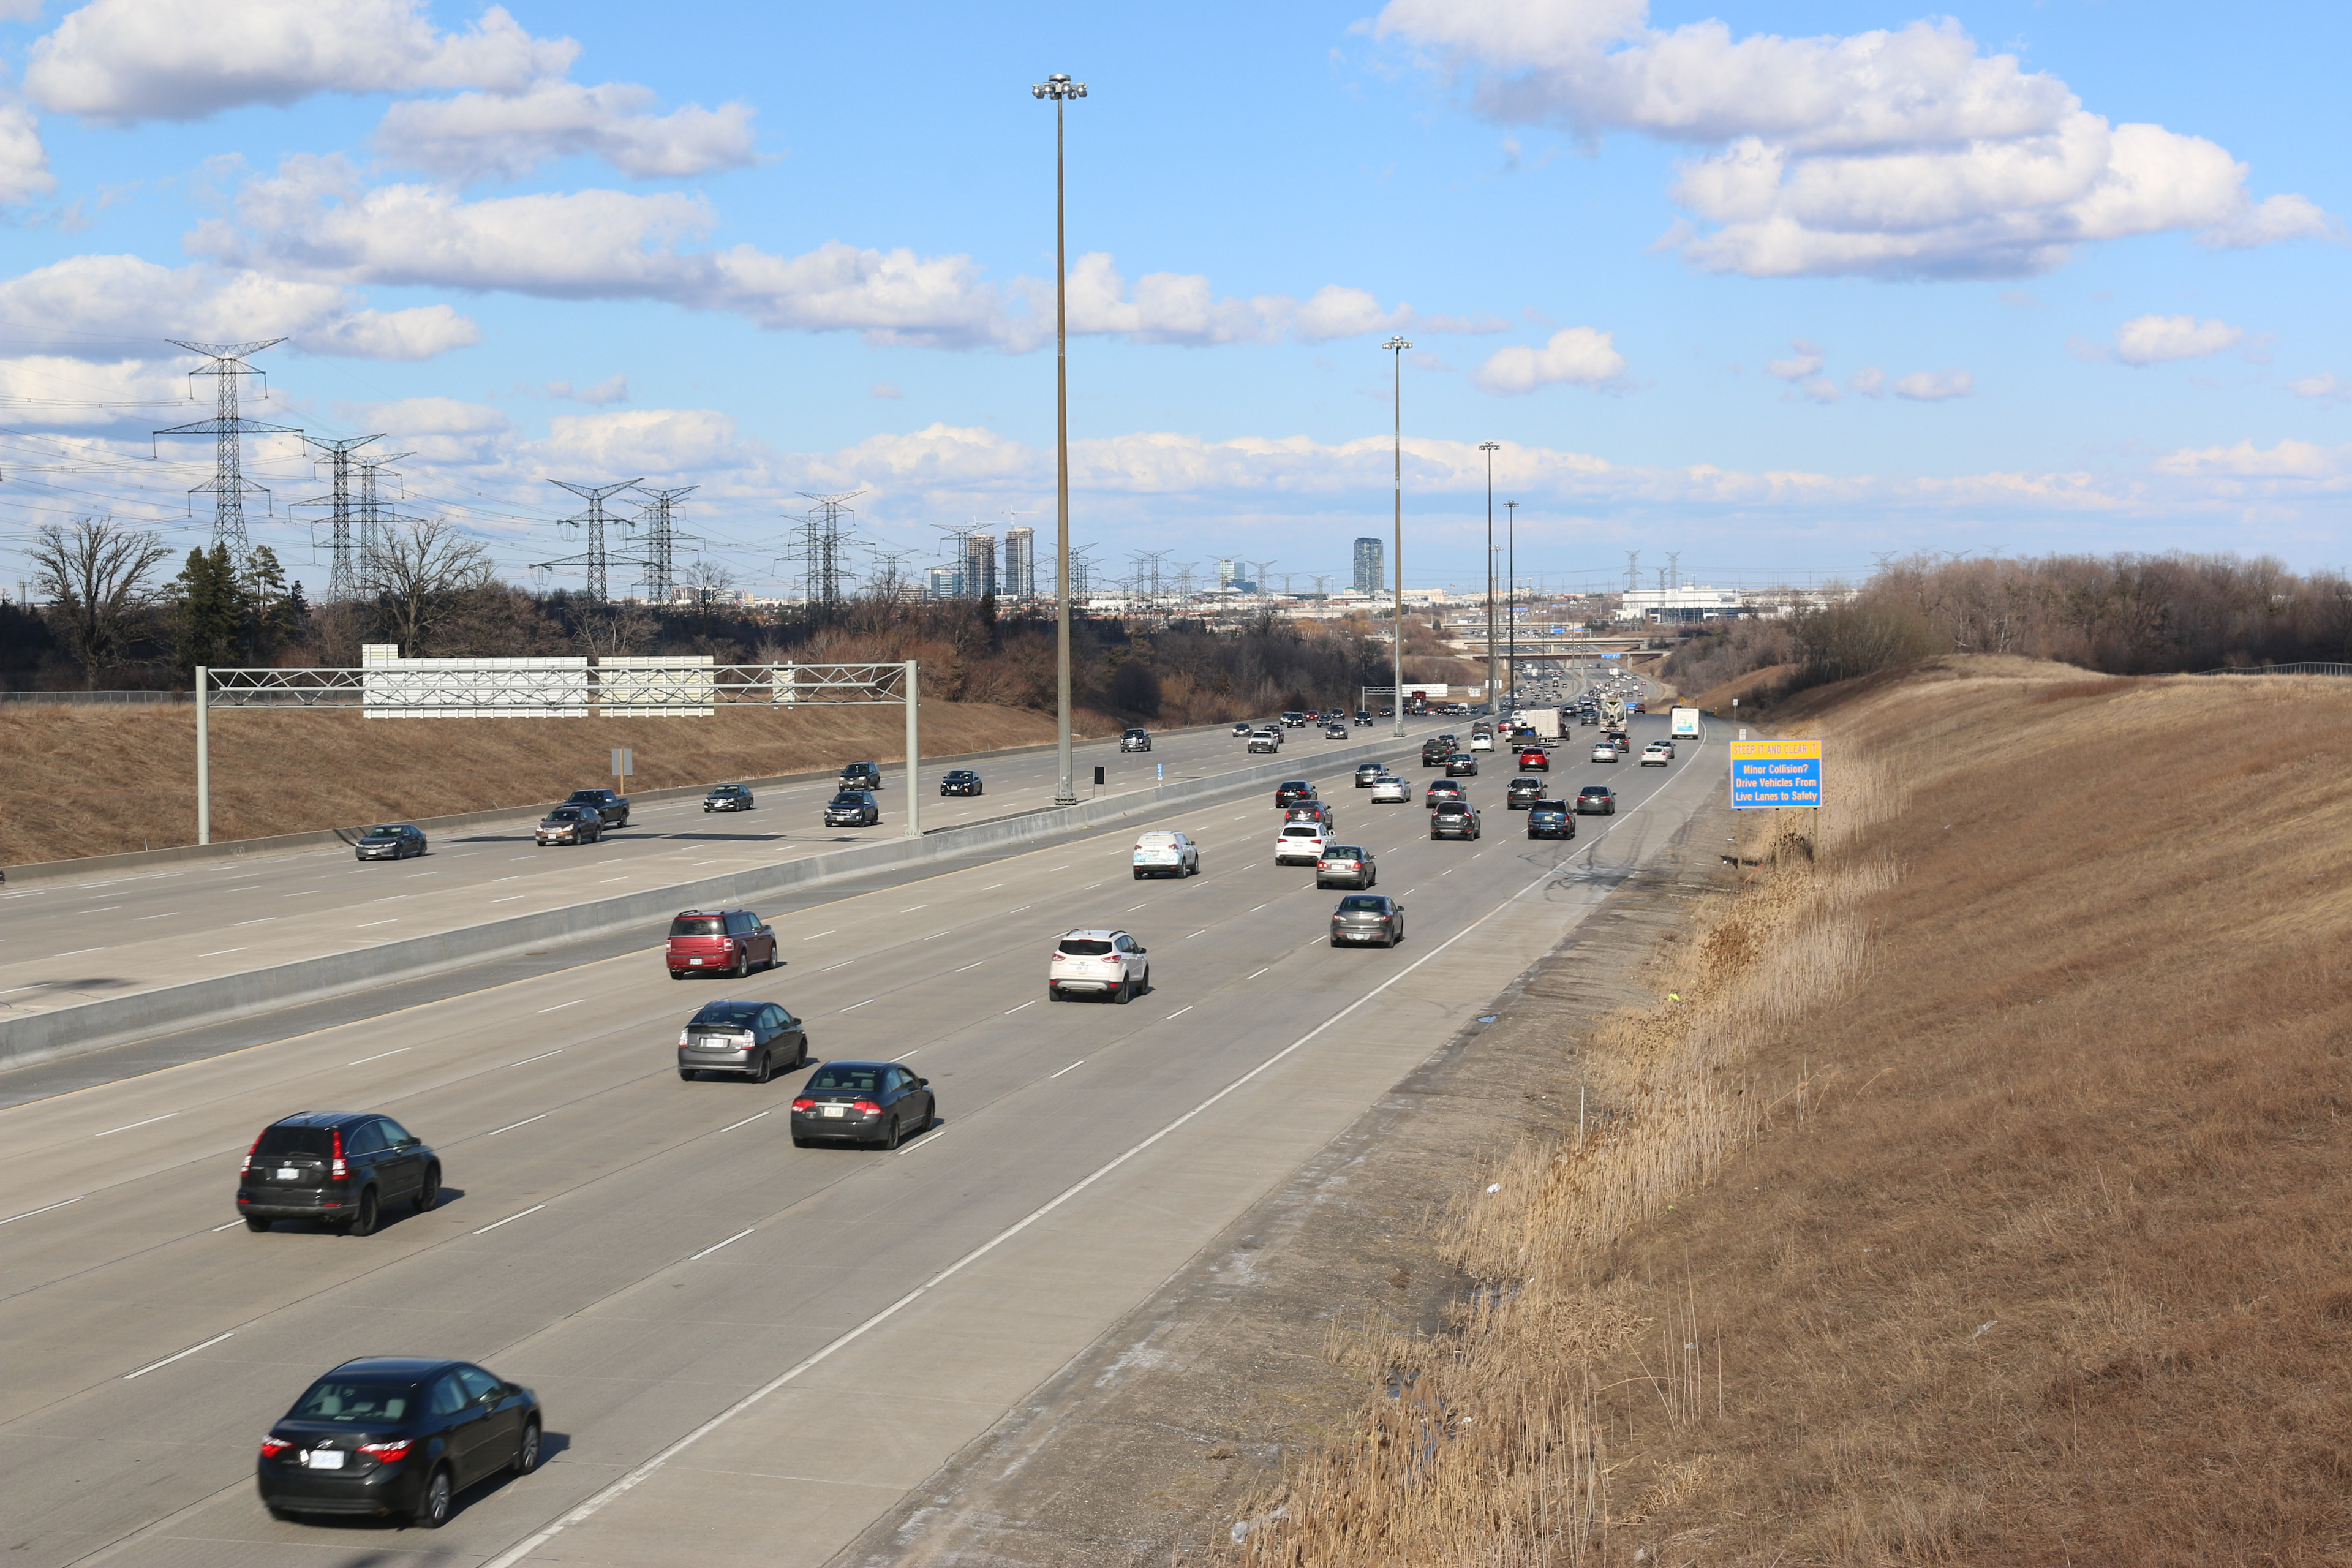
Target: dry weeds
[(1983, 1199)]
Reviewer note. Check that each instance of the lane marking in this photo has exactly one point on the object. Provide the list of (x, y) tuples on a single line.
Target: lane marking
[(831, 967), (80, 951), (967, 966), (220, 953), (1255, 976), (729, 1242), (512, 1125), (912, 907), (168, 1359), (230, 1225), (510, 1219), (99, 911), (820, 934), (1203, 931), (745, 1123), (377, 1057), (854, 1006), (540, 1057), (129, 1125), (511, 898), (167, 915), (1079, 1063), (45, 1208), (266, 918), (561, 1005), (1181, 1011), (991, 886), (1031, 1003), (388, 919)]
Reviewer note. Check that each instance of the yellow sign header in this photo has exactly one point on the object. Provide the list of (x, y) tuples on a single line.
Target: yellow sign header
[(1775, 751)]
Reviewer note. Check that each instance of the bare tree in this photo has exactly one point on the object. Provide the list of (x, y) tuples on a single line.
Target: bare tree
[(603, 631), (94, 575), (423, 572)]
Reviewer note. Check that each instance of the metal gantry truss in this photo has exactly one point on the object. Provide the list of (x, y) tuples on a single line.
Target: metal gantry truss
[(488, 687)]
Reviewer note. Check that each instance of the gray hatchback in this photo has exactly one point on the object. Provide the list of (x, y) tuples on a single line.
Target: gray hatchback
[(745, 1039), (1367, 917)]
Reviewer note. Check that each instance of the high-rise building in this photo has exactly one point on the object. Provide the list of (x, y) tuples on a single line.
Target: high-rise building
[(1020, 563), (979, 566), (1226, 571), (1372, 558), (946, 583)]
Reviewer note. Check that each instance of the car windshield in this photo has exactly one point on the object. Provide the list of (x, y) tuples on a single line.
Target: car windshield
[(356, 1401), (849, 1078), (316, 1140), (847, 798), (698, 925), (1085, 946), (566, 814), (731, 1015)]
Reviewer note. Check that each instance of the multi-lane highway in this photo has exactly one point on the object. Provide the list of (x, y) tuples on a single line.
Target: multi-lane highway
[(748, 1351)]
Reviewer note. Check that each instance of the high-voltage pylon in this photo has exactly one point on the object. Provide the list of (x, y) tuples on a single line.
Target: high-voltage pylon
[(597, 558), (817, 545), (229, 485), (342, 577), (661, 576)]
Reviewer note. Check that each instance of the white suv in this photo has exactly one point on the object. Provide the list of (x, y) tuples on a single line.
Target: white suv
[(1097, 963), (1388, 787), (1301, 843), (1166, 855)]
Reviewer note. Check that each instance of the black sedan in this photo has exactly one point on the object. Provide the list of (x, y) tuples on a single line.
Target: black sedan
[(879, 1104), (1522, 792), (397, 1437), (1461, 764), (388, 841), (1595, 800), (728, 797), (337, 1167), (750, 1039), (1367, 917), (1291, 792), (1550, 819), (960, 781)]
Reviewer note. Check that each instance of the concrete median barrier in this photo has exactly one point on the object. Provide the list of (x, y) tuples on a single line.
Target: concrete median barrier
[(124, 1020)]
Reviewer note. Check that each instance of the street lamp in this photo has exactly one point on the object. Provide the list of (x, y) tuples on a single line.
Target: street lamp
[(1396, 347), (1490, 448), (1061, 88), (1511, 598)]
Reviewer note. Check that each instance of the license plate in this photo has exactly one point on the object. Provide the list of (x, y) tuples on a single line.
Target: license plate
[(285, 1174), (694, 960), (326, 1458), (834, 1110)]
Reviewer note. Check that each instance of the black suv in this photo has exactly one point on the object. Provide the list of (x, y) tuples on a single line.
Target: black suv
[(862, 775), (1454, 819), (728, 797), (852, 808), (1522, 792), (1550, 819), (1435, 751), (614, 808), (338, 1167), (388, 841), (1291, 792)]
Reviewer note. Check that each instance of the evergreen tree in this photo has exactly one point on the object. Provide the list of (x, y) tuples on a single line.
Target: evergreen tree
[(211, 610)]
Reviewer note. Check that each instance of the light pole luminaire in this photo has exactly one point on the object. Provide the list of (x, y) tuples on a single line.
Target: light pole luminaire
[(1490, 448), (1061, 89), (1396, 347)]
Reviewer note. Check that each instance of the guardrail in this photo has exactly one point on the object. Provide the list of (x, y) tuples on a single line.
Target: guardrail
[(2307, 667), (47, 698)]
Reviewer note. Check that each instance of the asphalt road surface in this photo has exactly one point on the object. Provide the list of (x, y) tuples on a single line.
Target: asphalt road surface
[(748, 1351)]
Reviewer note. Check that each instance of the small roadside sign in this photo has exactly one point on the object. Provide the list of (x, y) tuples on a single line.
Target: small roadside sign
[(1769, 775), (625, 761)]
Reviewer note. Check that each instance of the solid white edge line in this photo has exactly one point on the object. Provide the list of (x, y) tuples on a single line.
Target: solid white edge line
[(729, 1242), (43, 1209), (168, 1359), (595, 1502), (510, 1219)]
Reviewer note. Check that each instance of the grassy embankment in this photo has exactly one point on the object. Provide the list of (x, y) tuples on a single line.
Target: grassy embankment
[(99, 781), (1986, 1198)]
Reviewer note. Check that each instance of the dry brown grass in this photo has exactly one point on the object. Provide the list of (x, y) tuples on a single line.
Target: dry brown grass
[(1985, 1198), (99, 780)]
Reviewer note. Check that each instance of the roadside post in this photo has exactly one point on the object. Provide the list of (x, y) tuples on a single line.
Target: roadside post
[(203, 762), (624, 766), (914, 753)]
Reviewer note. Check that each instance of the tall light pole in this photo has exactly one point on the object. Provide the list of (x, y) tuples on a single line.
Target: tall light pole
[(1490, 448), (1396, 347), (1061, 89), (1511, 599)]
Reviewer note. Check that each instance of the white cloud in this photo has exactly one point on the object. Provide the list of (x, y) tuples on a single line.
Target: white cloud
[(885, 389), (2151, 339), (107, 307), (1905, 153), (53, 391), (1921, 387), (1807, 361), (477, 136), (2289, 460), (613, 389), (2327, 388), (314, 219), (1576, 355), (24, 161), (125, 60), (1870, 381), (441, 431)]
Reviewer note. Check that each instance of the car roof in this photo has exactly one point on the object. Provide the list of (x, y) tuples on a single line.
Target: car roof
[(1164, 833), (1106, 935), (682, 914), (397, 1365), (325, 1118)]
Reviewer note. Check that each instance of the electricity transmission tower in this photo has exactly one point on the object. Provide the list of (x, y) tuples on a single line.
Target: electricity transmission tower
[(229, 485), (375, 520), (342, 577), (817, 544), (1633, 570), (661, 575), (597, 558)]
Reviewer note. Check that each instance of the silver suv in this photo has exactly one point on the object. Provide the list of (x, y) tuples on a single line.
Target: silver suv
[(1098, 964), (1134, 741)]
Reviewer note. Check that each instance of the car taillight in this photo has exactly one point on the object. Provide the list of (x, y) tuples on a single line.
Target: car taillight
[(388, 1453), (273, 1446), (682, 1036), (804, 1103), (868, 1106), (339, 1172), (250, 1152)]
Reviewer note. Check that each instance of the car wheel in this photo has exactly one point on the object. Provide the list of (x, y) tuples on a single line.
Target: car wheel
[(363, 1221), (799, 1142), (800, 1058), (1053, 993), (428, 1191), (686, 1075), (255, 1222), (1138, 874), (763, 1070), (1125, 994), (1337, 943), (891, 1135), (432, 1507), (526, 1457), (677, 974), (742, 964)]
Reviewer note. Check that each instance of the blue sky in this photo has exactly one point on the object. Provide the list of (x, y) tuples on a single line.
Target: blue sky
[(1778, 288)]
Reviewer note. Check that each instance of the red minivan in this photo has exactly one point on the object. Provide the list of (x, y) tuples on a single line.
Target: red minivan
[(719, 941)]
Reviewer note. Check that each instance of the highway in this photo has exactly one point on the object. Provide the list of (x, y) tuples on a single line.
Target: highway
[(63, 943), (658, 1260)]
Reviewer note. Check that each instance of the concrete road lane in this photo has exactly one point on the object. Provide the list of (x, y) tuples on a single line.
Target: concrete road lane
[(65, 944), (613, 1177)]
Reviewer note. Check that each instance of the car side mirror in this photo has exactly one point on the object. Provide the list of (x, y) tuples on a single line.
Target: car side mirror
[(922, 1083)]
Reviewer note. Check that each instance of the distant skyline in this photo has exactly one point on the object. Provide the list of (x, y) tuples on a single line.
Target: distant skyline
[(1778, 288)]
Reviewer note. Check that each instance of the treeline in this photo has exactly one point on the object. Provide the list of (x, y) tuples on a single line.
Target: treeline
[(2122, 615), (116, 615)]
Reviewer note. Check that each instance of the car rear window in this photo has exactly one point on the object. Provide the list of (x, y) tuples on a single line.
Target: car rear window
[(368, 1401), (1364, 903), (1302, 830), (1342, 852), (731, 1015), (317, 1141), (588, 796), (855, 1080), (698, 925), (1548, 805), (1085, 946)]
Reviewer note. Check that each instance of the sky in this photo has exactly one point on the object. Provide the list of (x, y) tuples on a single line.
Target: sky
[(1772, 289)]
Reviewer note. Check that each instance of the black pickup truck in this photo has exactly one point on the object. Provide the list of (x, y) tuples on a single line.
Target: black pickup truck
[(612, 807), (1435, 749)]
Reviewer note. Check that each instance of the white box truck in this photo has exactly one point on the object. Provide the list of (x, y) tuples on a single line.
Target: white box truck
[(1545, 722), (1686, 724)]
